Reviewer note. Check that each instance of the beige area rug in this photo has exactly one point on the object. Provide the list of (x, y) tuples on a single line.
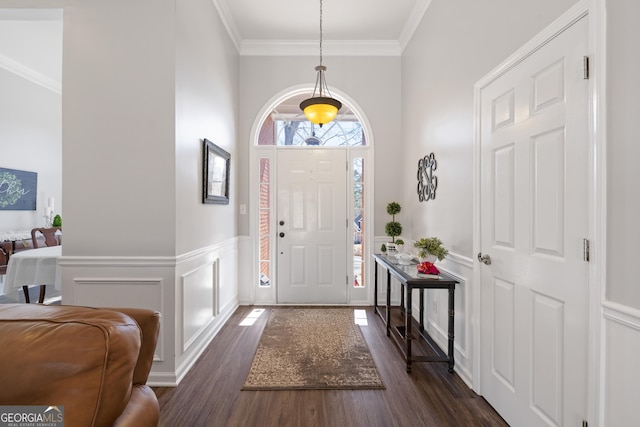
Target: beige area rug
[(312, 348)]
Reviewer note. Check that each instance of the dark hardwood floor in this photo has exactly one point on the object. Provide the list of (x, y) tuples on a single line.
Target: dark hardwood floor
[(210, 394)]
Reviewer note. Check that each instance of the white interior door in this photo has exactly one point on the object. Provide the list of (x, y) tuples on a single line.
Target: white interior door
[(534, 217), (312, 226)]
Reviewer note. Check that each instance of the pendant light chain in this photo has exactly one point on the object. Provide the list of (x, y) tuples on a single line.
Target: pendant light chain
[(320, 32), (320, 109)]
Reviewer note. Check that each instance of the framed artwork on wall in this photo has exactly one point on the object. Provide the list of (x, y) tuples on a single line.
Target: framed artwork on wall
[(217, 165), (18, 190)]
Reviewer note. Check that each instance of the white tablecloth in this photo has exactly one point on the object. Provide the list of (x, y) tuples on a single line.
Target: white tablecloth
[(33, 267), (12, 235)]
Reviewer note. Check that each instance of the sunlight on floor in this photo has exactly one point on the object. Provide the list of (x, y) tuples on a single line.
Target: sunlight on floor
[(360, 317), (252, 317)]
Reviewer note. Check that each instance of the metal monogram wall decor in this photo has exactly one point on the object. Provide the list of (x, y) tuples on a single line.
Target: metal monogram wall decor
[(427, 181)]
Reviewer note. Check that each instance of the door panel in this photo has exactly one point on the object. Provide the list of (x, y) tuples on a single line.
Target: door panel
[(312, 213), (534, 215)]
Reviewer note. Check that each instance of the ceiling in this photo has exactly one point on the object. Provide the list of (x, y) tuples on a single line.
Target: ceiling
[(31, 45), (292, 27), (31, 39)]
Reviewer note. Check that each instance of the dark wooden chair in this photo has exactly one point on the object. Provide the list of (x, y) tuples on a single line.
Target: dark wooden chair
[(6, 248), (51, 238), (49, 235)]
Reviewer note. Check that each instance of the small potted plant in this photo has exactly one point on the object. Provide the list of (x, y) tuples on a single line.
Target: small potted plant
[(399, 245), (431, 248)]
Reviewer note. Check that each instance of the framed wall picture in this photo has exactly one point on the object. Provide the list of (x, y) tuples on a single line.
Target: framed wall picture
[(18, 190), (217, 164)]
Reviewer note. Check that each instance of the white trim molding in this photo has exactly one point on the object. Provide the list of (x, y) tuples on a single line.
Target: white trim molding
[(30, 74), (329, 47)]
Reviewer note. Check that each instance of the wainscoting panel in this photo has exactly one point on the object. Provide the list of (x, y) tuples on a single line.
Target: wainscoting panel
[(621, 386), (199, 290), (107, 292), (206, 296), (124, 282), (436, 313), (195, 294)]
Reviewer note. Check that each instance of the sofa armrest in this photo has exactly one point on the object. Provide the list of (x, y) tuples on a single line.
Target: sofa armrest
[(149, 323), (142, 411)]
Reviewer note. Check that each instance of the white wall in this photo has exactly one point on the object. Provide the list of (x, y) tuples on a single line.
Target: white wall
[(207, 74), (623, 151), (620, 323), (456, 44), (30, 114)]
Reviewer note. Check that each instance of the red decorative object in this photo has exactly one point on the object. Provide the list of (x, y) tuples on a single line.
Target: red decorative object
[(427, 268)]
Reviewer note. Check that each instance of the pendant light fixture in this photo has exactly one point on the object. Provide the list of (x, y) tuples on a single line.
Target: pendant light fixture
[(321, 108)]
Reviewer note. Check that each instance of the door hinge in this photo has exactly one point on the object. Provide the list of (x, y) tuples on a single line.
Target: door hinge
[(585, 249), (585, 65), (347, 280)]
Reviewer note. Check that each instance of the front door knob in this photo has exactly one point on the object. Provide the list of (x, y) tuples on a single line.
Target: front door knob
[(485, 259)]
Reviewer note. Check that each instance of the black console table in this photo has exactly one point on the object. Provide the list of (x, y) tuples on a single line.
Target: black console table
[(402, 334)]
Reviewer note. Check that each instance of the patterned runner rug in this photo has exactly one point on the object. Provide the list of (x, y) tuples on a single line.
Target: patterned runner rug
[(312, 348)]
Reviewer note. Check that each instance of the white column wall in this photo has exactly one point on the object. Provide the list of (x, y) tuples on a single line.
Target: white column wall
[(143, 83)]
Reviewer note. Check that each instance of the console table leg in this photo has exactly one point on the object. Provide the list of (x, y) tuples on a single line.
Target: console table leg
[(388, 311), (375, 286), (421, 320), (451, 327), (407, 327)]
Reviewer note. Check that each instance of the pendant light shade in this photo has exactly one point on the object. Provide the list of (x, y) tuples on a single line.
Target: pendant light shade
[(321, 108)]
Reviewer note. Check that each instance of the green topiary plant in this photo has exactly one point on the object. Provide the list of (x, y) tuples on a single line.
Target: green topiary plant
[(393, 228), (57, 221)]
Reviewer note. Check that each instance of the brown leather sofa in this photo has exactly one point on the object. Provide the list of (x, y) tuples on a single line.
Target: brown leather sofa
[(93, 362)]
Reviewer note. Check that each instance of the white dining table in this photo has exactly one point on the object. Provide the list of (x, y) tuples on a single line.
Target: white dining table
[(33, 267)]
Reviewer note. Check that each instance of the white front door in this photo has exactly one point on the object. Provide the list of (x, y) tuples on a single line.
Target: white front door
[(312, 226), (534, 217)]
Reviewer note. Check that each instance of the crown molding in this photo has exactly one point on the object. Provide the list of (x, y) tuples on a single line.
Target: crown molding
[(30, 74), (228, 22), (329, 48), (412, 23)]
